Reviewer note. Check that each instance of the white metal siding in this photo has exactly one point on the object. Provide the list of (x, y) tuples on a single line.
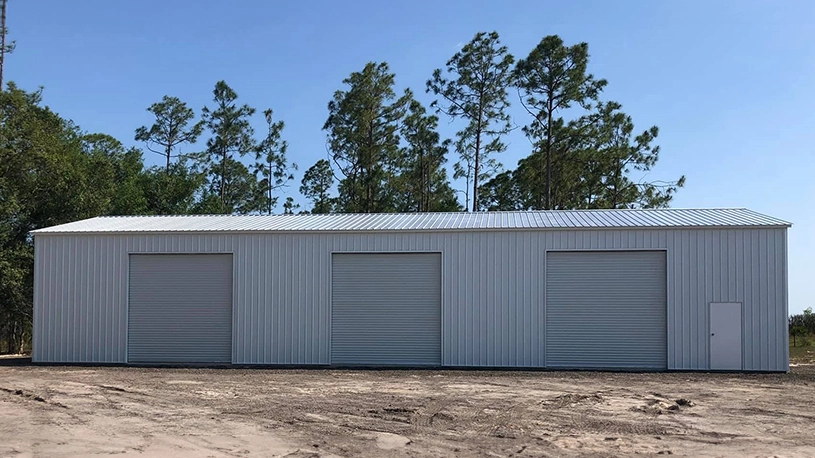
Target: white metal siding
[(386, 308), (492, 293), (606, 310), (180, 308)]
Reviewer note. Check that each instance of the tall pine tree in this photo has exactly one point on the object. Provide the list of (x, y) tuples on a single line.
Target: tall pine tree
[(474, 88), (363, 138), (272, 164), (553, 78), (586, 161), (173, 127), (232, 188), (422, 181)]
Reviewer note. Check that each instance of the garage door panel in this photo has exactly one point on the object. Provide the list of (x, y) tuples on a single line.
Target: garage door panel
[(386, 308), (180, 308), (606, 310)]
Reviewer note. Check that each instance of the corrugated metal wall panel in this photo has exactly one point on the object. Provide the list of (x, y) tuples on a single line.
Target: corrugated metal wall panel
[(98, 263), (606, 310), (386, 308), (179, 308)]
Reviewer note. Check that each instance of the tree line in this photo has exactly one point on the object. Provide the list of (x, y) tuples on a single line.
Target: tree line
[(388, 156), (384, 153), (802, 327)]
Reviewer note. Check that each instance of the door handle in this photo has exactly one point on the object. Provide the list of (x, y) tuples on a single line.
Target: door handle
[(712, 333)]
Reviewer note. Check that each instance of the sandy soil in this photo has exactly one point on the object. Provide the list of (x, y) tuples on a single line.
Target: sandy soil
[(80, 411)]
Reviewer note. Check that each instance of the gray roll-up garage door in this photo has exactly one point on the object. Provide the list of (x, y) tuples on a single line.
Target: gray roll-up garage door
[(606, 310), (386, 309), (180, 308)]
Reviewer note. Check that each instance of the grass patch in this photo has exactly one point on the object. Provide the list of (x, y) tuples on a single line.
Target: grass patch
[(804, 351), (802, 355)]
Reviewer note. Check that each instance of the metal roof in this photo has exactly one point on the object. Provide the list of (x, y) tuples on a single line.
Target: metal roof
[(552, 219)]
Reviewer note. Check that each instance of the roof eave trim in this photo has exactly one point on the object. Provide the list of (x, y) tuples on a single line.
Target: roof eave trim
[(368, 231)]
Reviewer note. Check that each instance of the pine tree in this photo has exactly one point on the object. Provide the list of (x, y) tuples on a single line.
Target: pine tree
[(551, 79), (618, 153), (289, 206), (232, 188), (272, 164), (585, 161), (474, 88), (316, 186), (423, 183), (363, 138), (171, 128)]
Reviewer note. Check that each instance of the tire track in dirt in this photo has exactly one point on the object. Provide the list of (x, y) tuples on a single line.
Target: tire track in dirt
[(425, 417), (32, 397)]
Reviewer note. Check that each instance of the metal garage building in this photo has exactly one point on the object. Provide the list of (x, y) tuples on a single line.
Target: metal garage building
[(609, 289)]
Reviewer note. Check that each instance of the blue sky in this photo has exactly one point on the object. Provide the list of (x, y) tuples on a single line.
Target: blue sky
[(731, 84)]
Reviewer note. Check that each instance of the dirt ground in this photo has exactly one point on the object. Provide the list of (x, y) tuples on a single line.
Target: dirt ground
[(81, 411)]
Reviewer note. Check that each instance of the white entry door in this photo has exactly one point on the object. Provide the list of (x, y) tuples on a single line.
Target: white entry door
[(725, 336)]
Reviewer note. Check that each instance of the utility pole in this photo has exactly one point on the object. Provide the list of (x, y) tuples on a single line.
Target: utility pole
[(3, 48)]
